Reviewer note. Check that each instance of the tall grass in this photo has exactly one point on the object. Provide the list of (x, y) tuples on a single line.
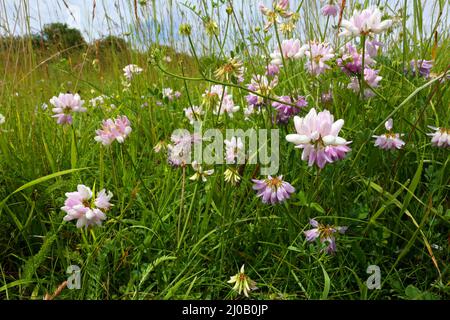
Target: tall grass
[(170, 238)]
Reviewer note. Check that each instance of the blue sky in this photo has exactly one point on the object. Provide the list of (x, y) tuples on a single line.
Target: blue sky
[(117, 16)]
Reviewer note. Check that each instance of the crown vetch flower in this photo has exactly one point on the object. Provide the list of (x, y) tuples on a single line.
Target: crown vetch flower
[(351, 60), (318, 54), (440, 138), (273, 189), (193, 113), (78, 205), (285, 111), (330, 10), (366, 22), (290, 49), (317, 134), (242, 282), (64, 105), (389, 140), (372, 48), (111, 130), (130, 70), (326, 234), (179, 153), (371, 78), (220, 101), (233, 148), (423, 67), (200, 174), (261, 85), (272, 70)]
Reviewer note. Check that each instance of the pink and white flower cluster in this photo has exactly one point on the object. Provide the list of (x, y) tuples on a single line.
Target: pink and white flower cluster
[(371, 79), (117, 129), (351, 60), (64, 105), (287, 111), (440, 138), (318, 136), (130, 70), (389, 140), (233, 149), (423, 67), (170, 94), (79, 206), (318, 54), (367, 22), (290, 49), (220, 101), (193, 113), (179, 152)]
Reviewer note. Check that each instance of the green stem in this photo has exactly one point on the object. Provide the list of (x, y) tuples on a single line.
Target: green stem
[(223, 84), (361, 76)]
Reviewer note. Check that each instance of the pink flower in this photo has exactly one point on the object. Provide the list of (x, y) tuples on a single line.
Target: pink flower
[(64, 105), (318, 54), (130, 70), (371, 78), (440, 138), (111, 130), (285, 111), (389, 141), (282, 5), (103, 199), (290, 50), (220, 101), (423, 66), (326, 234), (366, 22), (351, 61), (272, 70), (273, 189), (317, 135), (179, 153), (78, 206), (193, 113), (372, 48), (330, 10)]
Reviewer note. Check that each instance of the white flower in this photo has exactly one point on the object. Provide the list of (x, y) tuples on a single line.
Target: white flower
[(2, 119), (242, 282), (130, 70), (199, 172), (193, 113)]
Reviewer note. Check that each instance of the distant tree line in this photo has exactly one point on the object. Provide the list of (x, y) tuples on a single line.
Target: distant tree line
[(60, 37)]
